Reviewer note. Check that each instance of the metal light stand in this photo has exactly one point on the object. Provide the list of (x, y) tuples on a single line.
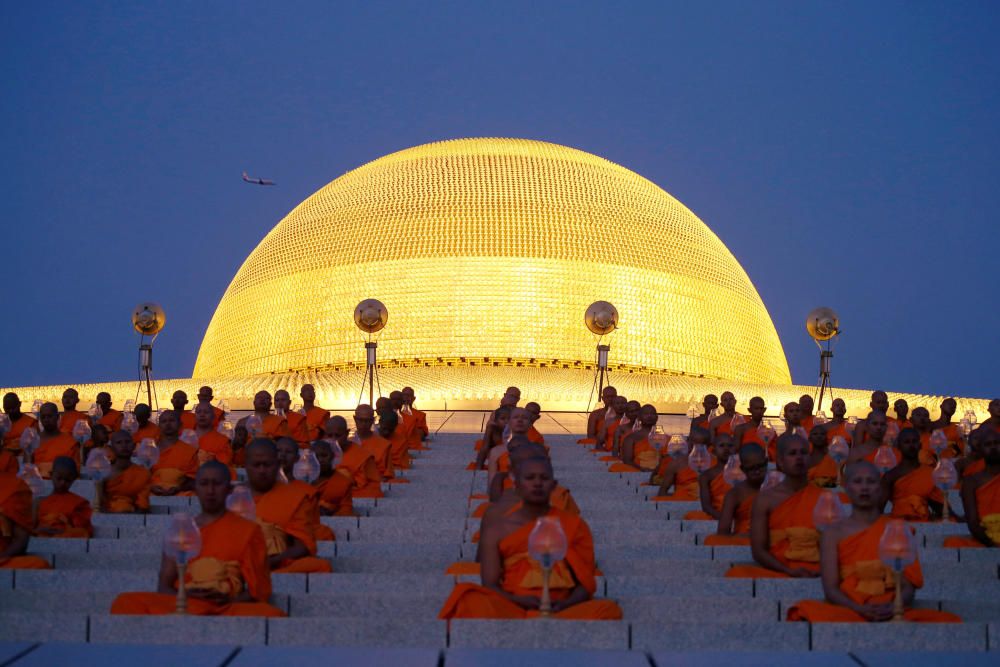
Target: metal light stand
[(600, 373), (825, 355), (146, 372), (371, 373)]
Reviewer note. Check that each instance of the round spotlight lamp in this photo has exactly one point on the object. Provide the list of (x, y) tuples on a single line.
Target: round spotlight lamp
[(148, 318), (371, 315), (601, 318), (822, 324)]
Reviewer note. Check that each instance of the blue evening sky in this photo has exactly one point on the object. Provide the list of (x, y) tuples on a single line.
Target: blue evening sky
[(848, 153)]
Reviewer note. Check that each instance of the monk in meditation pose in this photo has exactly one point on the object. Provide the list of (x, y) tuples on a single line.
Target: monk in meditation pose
[(16, 524), (783, 538), (147, 429), (18, 422), (806, 418), (596, 419), (289, 424), (605, 436), (185, 419), (366, 482), (493, 438), (793, 426), (902, 409), (535, 410), (228, 577), (879, 403), (205, 396), (499, 460), (70, 415), (284, 513), (734, 519), (838, 425), (262, 410), (512, 580), (823, 470), (628, 424), (127, 489), (390, 428), (750, 431), (110, 419), (288, 454), (379, 447), (857, 585), (708, 404), (316, 416), (637, 453), (867, 443), (420, 430), (981, 497), (910, 485), (53, 443), (679, 474), (63, 513), (212, 445), (712, 484), (729, 419), (333, 484), (174, 473)]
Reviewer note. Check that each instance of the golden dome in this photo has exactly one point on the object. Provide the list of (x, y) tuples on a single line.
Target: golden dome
[(488, 251)]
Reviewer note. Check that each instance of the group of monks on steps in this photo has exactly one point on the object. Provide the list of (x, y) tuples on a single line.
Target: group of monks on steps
[(772, 512), (231, 574)]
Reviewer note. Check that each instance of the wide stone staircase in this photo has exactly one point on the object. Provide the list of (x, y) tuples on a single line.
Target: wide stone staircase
[(381, 603)]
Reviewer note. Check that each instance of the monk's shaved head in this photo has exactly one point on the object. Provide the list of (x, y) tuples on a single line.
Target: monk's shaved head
[(700, 436), (750, 451), (213, 467), (64, 464), (263, 445), (860, 465)]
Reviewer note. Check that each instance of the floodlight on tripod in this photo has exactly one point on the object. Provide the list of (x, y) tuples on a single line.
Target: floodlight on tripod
[(823, 327), (601, 318), (147, 319), (370, 316)]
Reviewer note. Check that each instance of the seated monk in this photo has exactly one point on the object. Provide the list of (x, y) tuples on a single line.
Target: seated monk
[(52, 443), (597, 417), (285, 422), (698, 436), (205, 396), (734, 519), (212, 445), (726, 422), (823, 470), (710, 405), (637, 454), (679, 475), (185, 419), (910, 485), (838, 425), (605, 437), (493, 439), (420, 431), (535, 410), (389, 428), (100, 439), (284, 512), (241, 438), (288, 454), (174, 473), (70, 415), (866, 445), (333, 484), (8, 461), (110, 419), (503, 481), (366, 482), (499, 456), (755, 429), (857, 585), (879, 403), (628, 424), (262, 410), (147, 429), (381, 451), (712, 484), (127, 488), (312, 428), (806, 418), (783, 538), (793, 426), (18, 422), (15, 525), (901, 408), (228, 577), (63, 513), (512, 580), (981, 497)]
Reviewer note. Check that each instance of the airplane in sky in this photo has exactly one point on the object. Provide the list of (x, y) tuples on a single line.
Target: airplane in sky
[(257, 181)]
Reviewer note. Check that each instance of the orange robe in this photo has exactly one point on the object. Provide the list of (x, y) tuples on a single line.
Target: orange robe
[(68, 420), (419, 430), (824, 474), (399, 449), (609, 433), (67, 513), (233, 558), (276, 426), (807, 423), (560, 498), (287, 511), (685, 486), (335, 493), (56, 446), (127, 492), (832, 431), (113, 421), (911, 492), (213, 446), (177, 461), (359, 462), (522, 575), (974, 468), (315, 420), (741, 517), (794, 539), (321, 532), (150, 430), (718, 487), (187, 421), (644, 455), (988, 505), (8, 461), (382, 451), (535, 436), (12, 439), (598, 427), (751, 434), (866, 580), (15, 510)]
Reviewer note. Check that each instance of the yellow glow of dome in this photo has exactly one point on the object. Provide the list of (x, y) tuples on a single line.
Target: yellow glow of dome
[(489, 251)]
